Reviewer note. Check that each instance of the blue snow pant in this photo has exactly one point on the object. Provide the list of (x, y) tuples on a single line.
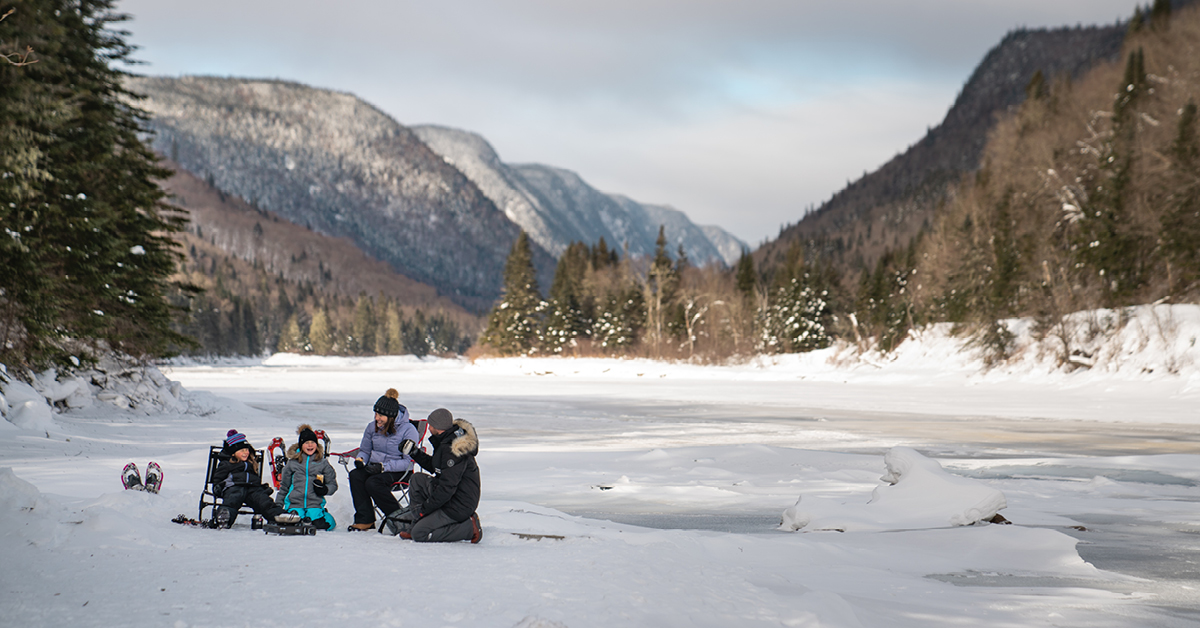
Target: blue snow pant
[(319, 516)]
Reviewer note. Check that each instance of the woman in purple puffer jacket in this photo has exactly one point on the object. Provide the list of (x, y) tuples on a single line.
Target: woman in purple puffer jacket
[(379, 463)]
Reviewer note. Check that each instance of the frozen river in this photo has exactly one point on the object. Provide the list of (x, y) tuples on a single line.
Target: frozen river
[(1029, 440), (666, 484)]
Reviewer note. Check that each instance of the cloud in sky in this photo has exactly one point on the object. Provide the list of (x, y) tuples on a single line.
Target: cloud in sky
[(740, 114)]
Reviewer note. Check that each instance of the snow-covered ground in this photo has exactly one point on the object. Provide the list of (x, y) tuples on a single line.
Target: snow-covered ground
[(667, 483)]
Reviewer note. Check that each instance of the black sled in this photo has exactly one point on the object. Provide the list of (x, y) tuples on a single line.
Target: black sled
[(301, 528)]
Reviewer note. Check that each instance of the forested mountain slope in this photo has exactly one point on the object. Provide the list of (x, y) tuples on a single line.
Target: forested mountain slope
[(884, 209), (335, 164), (259, 272)]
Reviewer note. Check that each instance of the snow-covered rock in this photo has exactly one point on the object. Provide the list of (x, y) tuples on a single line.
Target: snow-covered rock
[(113, 381), (917, 494), (26, 408)]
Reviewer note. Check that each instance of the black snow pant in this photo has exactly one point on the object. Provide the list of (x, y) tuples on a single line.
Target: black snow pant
[(366, 489), (257, 497), (436, 526)]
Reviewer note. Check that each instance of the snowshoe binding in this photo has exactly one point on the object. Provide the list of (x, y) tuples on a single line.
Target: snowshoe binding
[(131, 478), (154, 477)]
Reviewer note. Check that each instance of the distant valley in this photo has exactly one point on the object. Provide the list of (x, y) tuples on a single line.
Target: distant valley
[(557, 207)]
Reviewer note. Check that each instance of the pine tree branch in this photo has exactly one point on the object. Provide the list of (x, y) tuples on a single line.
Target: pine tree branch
[(16, 58)]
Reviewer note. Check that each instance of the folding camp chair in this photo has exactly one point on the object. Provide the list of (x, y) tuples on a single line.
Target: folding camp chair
[(400, 486), (278, 452), (209, 498)]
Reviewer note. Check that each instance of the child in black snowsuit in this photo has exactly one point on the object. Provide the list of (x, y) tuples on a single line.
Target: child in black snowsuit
[(238, 481)]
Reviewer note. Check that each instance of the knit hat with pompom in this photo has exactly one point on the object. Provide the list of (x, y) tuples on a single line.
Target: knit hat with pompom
[(389, 404)]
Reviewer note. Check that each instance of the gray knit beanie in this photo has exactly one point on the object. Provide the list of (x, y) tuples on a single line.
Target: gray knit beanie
[(441, 419)]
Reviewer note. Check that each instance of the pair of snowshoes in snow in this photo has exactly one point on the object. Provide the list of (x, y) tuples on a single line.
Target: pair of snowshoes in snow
[(132, 479)]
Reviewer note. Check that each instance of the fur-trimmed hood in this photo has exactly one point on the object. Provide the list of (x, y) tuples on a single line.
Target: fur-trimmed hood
[(293, 451), (468, 443)]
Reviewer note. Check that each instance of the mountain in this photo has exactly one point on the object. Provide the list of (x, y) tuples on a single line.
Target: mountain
[(292, 252), (886, 208), (337, 165), (557, 207), (258, 271)]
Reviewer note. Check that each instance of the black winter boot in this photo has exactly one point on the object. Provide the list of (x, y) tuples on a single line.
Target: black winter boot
[(397, 522)]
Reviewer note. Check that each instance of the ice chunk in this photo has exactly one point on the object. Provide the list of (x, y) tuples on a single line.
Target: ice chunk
[(918, 493)]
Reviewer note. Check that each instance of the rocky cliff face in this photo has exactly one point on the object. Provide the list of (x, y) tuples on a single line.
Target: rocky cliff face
[(337, 165), (557, 207), (886, 208)]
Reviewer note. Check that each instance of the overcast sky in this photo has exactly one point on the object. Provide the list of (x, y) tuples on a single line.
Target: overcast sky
[(742, 114)]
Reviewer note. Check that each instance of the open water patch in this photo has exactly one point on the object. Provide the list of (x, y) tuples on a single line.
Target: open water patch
[(1064, 472), (708, 522)]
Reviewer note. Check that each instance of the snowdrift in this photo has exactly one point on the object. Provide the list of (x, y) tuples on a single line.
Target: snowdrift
[(114, 382), (918, 494)]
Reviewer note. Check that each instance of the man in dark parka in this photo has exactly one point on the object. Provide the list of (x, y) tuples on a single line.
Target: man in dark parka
[(442, 505)]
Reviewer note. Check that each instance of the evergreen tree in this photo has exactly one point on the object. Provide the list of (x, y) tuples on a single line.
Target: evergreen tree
[(1160, 14), (1107, 242), (798, 312), (745, 277), (515, 321), (416, 340), (382, 306), (395, 332), (444, 336), (565, 317), (320, 333), (87, 253), (602, 257), (661, 284), (620, 318), (363, 334), (1180, 230), (290, 339)]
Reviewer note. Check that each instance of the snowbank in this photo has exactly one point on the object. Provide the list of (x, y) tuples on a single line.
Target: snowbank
[(1151, 342), (918, 494), (112, 382), (1139, 343), (116, 382), (25, 513), (25, 408)]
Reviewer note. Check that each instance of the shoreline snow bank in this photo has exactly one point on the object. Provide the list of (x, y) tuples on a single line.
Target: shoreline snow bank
[(918, 494), (124, 385), (1140, 343)]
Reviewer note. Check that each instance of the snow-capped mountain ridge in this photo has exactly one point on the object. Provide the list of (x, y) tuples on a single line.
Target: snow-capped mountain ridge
[(556, 206), (335, 163)]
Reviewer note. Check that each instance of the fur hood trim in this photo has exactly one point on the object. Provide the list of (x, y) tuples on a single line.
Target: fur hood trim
[(468, 443), (293, 452)]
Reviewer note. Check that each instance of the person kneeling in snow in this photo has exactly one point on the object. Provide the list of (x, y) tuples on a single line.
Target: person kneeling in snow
[(238, 481), (442, 506), (306, 479)]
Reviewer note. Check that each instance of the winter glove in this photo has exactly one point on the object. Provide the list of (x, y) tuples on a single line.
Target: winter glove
[(320, 489), (358, 463), (406, 446), (374, 468)]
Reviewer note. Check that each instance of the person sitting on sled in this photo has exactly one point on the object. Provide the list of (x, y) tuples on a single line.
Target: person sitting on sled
[(238, 481), (442, 506), (380, 463), (306, 479)]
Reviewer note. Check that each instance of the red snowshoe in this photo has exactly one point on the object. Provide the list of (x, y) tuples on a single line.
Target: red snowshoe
[(154, 477), (131, 478)]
